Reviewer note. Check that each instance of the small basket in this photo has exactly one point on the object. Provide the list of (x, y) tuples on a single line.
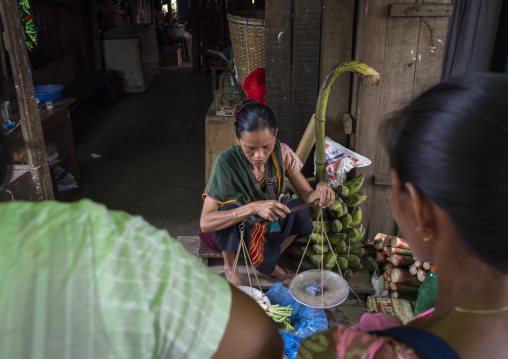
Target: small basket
[(247, 31)]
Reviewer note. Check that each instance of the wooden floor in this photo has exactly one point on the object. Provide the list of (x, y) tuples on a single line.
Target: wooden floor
[(173, 109), (146, 154)]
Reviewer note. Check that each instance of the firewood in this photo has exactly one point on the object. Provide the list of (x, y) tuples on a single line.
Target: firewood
[(388, 251), (380, 236), (402, 276), (397, 242), (388, 241), (404, 251), (421, 274), (418, 264), (388, 265), (399, 260), (387, 277), (380, 245), (387, 285), (395, 294), (412, 269), (404, 288), (381, 257), (426, 265)]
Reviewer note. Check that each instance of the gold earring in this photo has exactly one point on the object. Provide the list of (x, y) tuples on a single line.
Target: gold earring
[(427, 238)]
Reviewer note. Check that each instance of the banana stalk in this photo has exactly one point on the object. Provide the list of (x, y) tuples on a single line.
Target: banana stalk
[(360, 69)]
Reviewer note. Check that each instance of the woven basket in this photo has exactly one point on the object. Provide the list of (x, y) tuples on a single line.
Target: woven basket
[(247, 30)]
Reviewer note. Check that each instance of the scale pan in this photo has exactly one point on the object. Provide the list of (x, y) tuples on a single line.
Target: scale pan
[(335, 288)]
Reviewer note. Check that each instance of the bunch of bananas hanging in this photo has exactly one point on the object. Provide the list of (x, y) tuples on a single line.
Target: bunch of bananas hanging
[(344, 231)]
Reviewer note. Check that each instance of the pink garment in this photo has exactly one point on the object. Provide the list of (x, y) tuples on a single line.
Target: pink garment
[(355, 342), (292, 164)]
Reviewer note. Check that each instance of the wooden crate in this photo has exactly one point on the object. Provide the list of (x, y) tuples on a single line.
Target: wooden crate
[(220, 135)]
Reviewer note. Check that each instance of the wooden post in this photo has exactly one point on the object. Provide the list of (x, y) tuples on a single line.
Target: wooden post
[(96, 35), (30, 121), (196, 53), (278, 50)]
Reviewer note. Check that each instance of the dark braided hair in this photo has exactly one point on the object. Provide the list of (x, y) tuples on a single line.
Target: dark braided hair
[(452, 143), (254, 117)]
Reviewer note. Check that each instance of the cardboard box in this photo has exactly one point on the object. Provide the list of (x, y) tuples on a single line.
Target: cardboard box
[(170, 58)]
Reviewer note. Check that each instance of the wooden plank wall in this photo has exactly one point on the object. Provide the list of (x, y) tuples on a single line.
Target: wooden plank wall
[(305, 71), (337, 25), (278, 50), (408, 52)]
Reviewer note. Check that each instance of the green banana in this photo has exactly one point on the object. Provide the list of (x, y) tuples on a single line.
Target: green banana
[(295, 196), (316, 259), (355, 199), (313, 212), (348, 273), (343, 264), (351, 234), (317, 225), (317, 237), (341, 247), (357, 251), (342, 191), (335, 238), (346, 220), (303, 239), (338, 208), (317, 248), (306, 264), (357, 216), (336, 226), (330, 260), (353, 261), (296, 251), (355, 184)]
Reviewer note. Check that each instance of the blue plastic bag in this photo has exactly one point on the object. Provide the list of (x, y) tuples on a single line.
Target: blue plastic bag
[(311, 320), (291, 344), (306, 320)]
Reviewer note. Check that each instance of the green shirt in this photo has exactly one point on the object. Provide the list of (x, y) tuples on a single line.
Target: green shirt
[(80, 281)]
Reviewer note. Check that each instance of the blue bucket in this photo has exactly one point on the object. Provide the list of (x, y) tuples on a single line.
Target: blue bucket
[(48, 92)]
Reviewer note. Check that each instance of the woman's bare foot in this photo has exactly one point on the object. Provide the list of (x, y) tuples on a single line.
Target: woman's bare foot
[(236, 280)]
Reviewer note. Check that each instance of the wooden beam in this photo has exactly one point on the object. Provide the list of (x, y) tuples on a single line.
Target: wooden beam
[(421, 10), (278, 50), (30, 122), (96, 35)]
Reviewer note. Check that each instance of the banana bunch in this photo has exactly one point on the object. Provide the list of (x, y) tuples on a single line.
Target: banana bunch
[(344, 231)]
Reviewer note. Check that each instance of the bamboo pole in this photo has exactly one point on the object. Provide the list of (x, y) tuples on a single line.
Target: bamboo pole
[(360, 69)]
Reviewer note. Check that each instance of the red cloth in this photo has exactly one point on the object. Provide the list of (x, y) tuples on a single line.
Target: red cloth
[(255, 87), (207, 239)]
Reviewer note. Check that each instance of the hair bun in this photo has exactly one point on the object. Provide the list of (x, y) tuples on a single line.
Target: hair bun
[(248, 102)]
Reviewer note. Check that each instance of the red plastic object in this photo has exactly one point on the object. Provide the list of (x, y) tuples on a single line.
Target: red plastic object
[(255, 87)]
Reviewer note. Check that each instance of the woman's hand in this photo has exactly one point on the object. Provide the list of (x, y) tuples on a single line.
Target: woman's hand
[(271, 210), (326, 195)]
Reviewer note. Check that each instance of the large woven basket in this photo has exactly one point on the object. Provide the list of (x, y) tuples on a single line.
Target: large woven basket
[(247, 30)]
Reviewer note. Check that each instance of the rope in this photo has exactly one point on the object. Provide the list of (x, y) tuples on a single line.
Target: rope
[(243, 248)]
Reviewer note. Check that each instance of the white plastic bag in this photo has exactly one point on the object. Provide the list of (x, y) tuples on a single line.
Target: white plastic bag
[(340, 160)]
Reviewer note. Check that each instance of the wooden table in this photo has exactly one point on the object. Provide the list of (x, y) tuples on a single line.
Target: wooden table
[(220, 135)]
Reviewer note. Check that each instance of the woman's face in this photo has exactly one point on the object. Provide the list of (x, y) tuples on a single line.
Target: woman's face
[(257, 146)]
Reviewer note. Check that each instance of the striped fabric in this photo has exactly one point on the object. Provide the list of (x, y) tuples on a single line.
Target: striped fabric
[(80, 281), (257, 244)]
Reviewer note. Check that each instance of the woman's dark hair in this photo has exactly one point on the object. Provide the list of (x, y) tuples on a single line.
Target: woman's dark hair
[(452, 143), (254, 117), (5, 160)]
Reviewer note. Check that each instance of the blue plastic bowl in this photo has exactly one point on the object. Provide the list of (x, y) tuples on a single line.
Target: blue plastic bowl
[(48, 92)]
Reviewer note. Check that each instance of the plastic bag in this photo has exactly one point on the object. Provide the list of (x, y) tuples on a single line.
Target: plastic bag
[(278, 294), (306, 320), (340, 160), (291, 344), (310, 321)]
